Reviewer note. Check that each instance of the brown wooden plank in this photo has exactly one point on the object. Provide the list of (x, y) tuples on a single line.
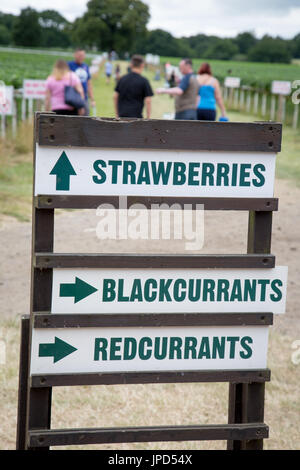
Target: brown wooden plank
[(23, 384), (81, 131), (213, 203), (111, 260), (62, 437), (52, 320), (115, 378)]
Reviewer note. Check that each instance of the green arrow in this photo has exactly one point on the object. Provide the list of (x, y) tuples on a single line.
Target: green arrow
[(63, 170), (79, 290), (59, 349)]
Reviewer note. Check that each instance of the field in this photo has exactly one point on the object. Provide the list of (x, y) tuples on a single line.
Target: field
[(15, 66), (254, 74), (139, 405)]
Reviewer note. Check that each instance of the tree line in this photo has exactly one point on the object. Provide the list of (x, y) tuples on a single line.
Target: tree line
[(121, 25)]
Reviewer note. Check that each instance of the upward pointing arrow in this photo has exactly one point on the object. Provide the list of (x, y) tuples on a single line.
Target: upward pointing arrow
[(63, 170), (59, 349), (79, 290)]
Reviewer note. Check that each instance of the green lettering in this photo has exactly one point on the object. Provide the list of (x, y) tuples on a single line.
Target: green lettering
[(160, 343), (179, 295), (207, 174), (108, 292), (150, 297), (130, 348), (179, 177), (263, 283), (218, 347), (161, 171), (114, 348), (193, 174), (145, 354), (175, 346), (250, 290), (232, 340), (190, 344), (164, 294), (136, 291), (100, 347), (236, 292), (278, 297), (222, 174), (115, 164), (144, 175), (204, 350), (100, 172), (260, 181), (244, 341), (121, 296), (129, 169), (222, 293), (194, 290), (208, 290), (244, 174)]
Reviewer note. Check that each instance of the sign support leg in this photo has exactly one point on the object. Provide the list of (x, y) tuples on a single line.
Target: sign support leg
[(39, 399), (246, 401), (23, 384)]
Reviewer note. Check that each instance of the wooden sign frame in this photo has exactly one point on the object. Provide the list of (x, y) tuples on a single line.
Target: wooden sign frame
[(246, 428)]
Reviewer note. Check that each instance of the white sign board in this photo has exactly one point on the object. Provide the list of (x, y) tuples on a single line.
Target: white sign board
[(98, 350), (85, 171), (232, 82), (169, 290), (7, 100), (281, 87), (34, 89)]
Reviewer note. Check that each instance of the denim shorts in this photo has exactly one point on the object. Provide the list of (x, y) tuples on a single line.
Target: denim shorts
[(187, 114)]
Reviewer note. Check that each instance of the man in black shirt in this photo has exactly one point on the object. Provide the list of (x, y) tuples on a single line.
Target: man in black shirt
[(132, 91)]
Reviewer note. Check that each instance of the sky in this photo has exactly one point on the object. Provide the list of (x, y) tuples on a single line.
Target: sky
[(224, 18)]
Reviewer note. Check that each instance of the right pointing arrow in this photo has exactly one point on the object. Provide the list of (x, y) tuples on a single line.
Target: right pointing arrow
[(58, 350), (79, 290)]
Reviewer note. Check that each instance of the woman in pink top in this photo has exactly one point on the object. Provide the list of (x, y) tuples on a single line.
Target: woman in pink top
[(55, 89)]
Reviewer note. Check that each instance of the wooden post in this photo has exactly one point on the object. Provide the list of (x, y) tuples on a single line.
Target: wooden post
[(242, 97), (236, 98), (23, 383), (264, 104), (3, 126), (14, 118), (23, 109), (281, 108), (30, 108), (295, 116), (255, 103), (248, 103), (273, 108)]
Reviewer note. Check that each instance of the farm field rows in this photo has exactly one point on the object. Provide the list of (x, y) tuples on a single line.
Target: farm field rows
[(255, 74), (15, 66)]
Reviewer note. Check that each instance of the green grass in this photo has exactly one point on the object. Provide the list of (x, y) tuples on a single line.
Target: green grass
[(14, 66), (255, 74)]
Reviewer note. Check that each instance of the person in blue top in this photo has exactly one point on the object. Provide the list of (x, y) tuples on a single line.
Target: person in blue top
[(82, 71), (209, 95)]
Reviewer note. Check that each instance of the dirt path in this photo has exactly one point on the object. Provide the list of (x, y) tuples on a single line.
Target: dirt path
[(224, 233)]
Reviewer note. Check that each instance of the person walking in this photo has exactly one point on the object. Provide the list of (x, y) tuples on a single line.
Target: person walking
[(209, 95), (133, 91), (61, 77), (185, 93), (83, 72), (108, 71)]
